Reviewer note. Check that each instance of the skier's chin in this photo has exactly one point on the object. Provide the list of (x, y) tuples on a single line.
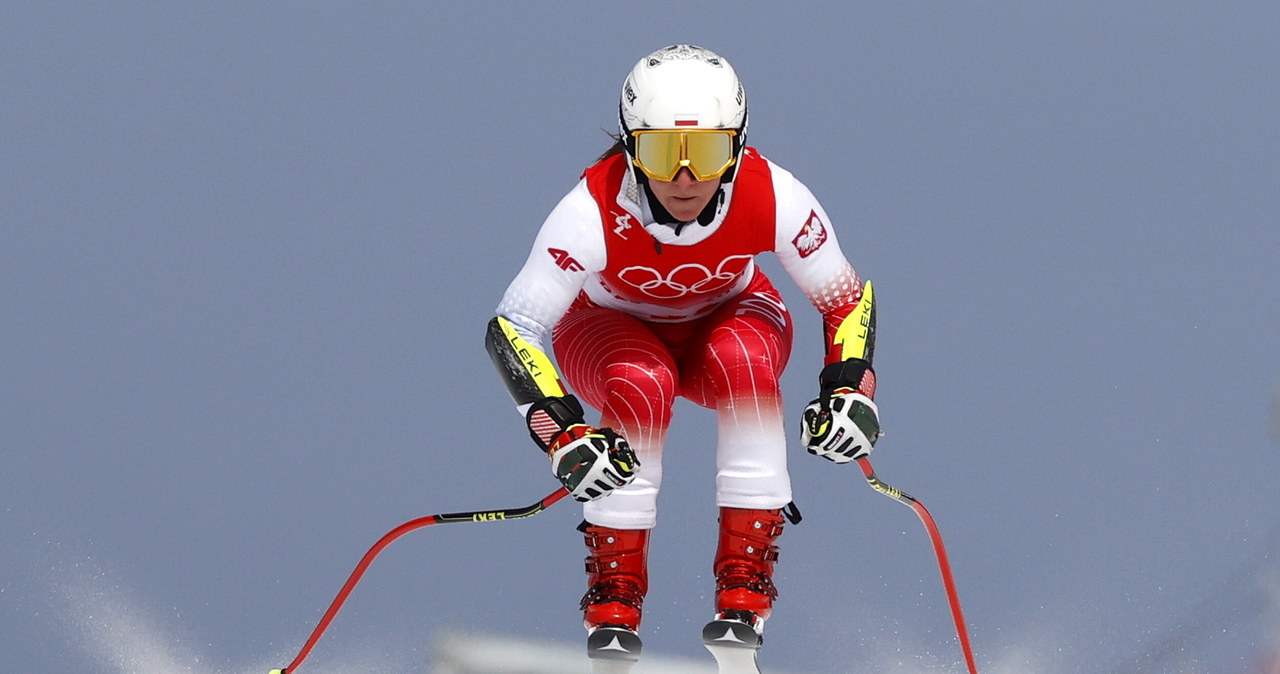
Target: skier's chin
[(685, 209)]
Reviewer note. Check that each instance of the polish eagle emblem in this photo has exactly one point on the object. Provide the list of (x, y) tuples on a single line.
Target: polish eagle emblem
[(811, 236)]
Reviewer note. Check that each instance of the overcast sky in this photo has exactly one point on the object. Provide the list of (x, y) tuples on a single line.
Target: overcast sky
[(248, 250)]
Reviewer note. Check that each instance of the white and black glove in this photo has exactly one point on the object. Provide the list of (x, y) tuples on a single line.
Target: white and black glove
[(589, 462), (842, 424)]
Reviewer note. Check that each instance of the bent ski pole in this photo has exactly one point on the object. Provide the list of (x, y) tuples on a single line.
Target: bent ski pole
[(390, 536), (944, 566)]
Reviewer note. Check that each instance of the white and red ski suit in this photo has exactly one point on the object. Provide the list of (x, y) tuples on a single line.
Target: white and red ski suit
[(641, 313)]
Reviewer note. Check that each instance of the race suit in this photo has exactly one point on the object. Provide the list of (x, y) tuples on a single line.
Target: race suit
[(641, 313)]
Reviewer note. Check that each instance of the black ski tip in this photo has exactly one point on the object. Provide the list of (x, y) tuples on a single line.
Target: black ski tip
[(613, 643), (731, 633)]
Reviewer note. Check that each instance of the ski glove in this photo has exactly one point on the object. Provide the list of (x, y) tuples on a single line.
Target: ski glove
[(842, 424), (589, 462)]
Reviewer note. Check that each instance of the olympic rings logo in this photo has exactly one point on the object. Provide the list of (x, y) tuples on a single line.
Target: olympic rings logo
[(687, 279)]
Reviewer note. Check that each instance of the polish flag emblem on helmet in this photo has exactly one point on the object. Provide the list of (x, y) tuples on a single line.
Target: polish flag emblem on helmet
[(811, 236)]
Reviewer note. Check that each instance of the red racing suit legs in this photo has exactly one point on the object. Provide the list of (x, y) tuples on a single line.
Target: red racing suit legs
[(729, 361), (734, 368), (615, 363)]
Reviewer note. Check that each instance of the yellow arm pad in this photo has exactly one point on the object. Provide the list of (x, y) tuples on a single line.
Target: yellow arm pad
[(525, 369), (856, 336)]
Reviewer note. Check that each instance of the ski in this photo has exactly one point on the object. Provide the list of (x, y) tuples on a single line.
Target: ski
[(734, 644), (613, 650)]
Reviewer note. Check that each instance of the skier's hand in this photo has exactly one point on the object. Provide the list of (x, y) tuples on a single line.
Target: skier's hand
[(591, 462), (842, 424), (842, 428)]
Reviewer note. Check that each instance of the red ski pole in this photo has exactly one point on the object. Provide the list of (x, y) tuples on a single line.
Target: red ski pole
[(944, 566), (390, 536)]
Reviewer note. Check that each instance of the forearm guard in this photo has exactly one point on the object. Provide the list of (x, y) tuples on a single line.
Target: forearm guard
[(849, 357), (532, 380), (855, 337), (524, 368)]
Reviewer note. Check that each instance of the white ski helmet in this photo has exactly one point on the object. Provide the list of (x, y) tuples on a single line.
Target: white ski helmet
[(683, 87)]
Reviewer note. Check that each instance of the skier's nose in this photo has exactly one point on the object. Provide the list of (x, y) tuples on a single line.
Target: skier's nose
[(684, 178)]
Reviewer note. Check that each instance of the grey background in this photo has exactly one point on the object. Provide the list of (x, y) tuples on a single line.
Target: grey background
[(247, 252)]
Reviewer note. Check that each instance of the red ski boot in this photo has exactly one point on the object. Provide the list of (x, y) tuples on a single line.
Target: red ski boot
[(618, 578), (744, 585)]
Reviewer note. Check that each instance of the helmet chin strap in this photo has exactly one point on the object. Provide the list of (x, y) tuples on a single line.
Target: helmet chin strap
[(708, 214)]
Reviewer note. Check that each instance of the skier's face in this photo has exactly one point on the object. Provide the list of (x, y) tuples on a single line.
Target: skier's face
[(684, 198)]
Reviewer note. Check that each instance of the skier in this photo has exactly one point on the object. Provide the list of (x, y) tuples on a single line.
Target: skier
[(644, 277)]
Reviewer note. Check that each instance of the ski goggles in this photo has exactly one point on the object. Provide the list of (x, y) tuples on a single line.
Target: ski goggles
[(661, 153)]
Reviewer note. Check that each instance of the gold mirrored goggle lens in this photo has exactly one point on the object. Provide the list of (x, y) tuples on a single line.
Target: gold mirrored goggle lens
[(707, 153)]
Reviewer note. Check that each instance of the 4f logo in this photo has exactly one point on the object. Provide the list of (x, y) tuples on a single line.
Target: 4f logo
[(623, 222), (564, 260)]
